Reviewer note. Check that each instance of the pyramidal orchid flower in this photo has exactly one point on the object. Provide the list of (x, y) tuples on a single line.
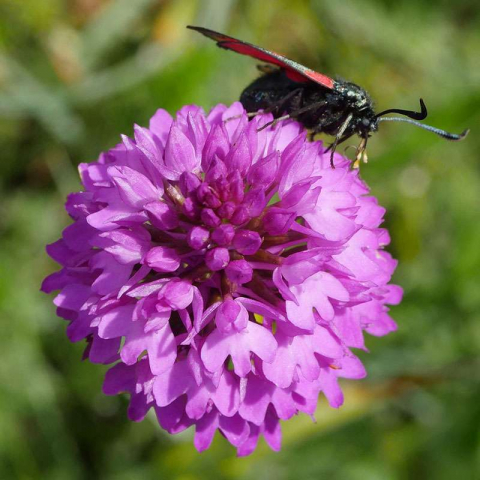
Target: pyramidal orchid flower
[(226, 272)]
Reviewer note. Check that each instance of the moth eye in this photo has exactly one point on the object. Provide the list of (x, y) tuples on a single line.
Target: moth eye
[(366, 122)]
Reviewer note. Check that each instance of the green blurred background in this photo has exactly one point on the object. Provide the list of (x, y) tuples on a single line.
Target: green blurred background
[(76, 74)]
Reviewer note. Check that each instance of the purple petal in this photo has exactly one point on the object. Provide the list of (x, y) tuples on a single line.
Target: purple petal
[(162, 259), (162, 350), (179, 153), (134, 188)]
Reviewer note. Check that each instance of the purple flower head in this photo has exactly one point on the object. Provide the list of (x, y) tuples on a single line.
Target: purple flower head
[(226, 272)]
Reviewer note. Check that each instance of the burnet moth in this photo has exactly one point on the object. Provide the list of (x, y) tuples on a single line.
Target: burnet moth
[(320, 103)]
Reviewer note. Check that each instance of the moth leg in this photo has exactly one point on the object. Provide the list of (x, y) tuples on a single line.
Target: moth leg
[(313, 132), (273, 122), (294, 114), (278, 105), (338, 138), (249, 115), (312, 106), (271, 108)]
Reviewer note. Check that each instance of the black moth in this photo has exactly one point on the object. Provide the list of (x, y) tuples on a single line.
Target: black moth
[(320, 103)]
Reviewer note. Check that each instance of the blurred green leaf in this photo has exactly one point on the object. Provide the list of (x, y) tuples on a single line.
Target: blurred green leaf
[(26, 95), (114, 24)]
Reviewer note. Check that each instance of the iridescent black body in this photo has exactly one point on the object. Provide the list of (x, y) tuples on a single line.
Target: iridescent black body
[(325, 110)]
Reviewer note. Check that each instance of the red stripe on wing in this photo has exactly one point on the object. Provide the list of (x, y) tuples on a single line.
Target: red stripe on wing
[(295, 71), (319, 78)]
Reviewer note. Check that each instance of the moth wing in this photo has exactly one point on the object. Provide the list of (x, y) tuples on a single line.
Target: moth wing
[(295, 71)]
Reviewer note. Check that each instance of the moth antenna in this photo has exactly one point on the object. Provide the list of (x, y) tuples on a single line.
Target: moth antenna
[(422, 115), (437, 131)]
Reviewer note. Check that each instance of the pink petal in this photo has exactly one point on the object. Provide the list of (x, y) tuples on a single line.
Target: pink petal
[(179, 153), (162, 350)]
